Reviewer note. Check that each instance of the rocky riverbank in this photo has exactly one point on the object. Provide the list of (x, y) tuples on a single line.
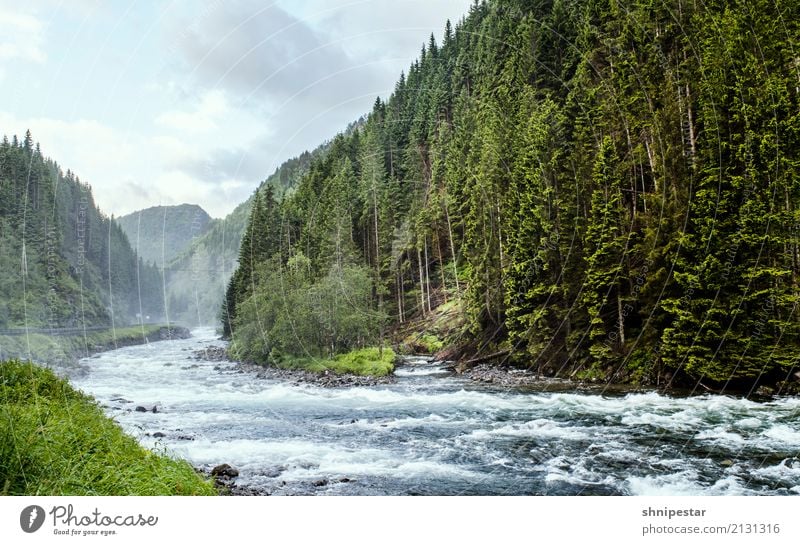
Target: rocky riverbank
[(211, 353), (326, 379), (502, 376)]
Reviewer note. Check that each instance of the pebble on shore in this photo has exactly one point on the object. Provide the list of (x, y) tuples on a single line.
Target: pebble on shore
[(324, 380)]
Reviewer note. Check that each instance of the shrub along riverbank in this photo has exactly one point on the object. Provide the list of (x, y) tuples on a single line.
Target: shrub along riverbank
[(372, 362), (56, 441)]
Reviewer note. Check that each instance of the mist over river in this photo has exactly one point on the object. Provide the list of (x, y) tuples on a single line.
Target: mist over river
[(435, 433)]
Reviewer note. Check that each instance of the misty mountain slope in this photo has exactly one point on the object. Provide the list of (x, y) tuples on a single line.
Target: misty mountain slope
[(161, 233), (196, 278)]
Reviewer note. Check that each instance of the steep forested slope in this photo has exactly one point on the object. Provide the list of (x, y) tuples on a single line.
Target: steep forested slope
[(63, 263), (606, 188)]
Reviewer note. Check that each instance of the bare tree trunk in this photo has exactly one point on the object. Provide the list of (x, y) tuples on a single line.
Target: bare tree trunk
[(427, 276), (441, 264), (620, 321), (794, 252), (452, 247), (367, 250), (651, 160), (690, 116), (421, 281), (499, 225), (644, 189), (377, 238), (398, 290), (402, 296), (378, 264)]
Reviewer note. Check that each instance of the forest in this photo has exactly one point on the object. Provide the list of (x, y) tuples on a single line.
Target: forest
[(602, 190), (63, 262), (197, 276)]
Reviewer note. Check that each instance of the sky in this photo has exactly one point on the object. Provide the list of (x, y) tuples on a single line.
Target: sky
[(197, 101)]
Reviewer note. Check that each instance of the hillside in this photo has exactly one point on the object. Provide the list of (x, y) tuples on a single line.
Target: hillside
[(63, 262), (604, 191), (196, 278), (161, 233)]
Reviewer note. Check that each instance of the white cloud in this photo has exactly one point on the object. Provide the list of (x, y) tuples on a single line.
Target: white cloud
[(21, 36), (212, 107), (129, 170), (100, 155), (221, 93)]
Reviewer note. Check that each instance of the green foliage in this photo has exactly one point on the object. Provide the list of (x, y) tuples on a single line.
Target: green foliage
[(365, 361), (588, 180), (430, 343), (593, 373), (291, 315), (55, 441), (370, 361), (197, 278)]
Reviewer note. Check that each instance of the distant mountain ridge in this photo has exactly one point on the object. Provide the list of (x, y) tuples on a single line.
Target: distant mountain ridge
[(159, 234)]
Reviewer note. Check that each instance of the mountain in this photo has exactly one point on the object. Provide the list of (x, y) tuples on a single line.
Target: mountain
[(602, 191), (196, 278), (63, 262), (161, 233)]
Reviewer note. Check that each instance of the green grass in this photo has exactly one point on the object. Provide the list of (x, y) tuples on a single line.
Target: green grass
[(431, 342), (67, 348), (365, 362), (57, 441), (592, 374)]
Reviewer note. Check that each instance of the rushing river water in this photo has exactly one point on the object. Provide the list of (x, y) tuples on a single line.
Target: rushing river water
[(434, 433)]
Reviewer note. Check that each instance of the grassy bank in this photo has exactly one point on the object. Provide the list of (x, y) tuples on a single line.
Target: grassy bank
[(66, 348), (363, 362), (56, 441)]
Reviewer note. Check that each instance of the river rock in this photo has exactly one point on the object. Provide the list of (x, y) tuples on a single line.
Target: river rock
[(225, 470), (211, 353), (140, 409), (298, 376), (159, 434), (274, 472), (320, 482)]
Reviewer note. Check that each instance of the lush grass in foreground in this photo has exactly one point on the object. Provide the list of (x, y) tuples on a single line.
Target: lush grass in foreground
[(365, 362), (56, 441)]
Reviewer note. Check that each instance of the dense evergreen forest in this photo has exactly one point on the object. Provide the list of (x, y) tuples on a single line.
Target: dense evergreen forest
[(606, 189), (63, 263)]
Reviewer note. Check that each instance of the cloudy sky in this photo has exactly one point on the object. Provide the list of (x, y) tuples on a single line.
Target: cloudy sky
[(165, 102)]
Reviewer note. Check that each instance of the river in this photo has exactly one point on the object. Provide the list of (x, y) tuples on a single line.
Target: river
[(435, 433)]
